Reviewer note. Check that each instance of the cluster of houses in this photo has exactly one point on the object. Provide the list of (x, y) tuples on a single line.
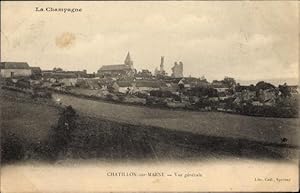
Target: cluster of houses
[(121, 82)]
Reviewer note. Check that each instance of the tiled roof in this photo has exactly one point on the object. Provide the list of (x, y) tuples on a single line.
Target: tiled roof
[(114, 67), (14, 65)]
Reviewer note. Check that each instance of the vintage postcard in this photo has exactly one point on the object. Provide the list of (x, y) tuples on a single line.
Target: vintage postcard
[(149, 96)]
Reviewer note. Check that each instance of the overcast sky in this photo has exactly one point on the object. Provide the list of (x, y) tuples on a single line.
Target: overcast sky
[(245, 40)]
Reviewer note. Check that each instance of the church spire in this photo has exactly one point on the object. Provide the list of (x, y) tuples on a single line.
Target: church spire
[(128, 57), (128, 60)]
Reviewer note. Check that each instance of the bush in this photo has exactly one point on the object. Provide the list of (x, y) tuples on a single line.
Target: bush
[(23, 84), (156, 93), (202, 91), (61, 134), (141, 95), (204, 102), (109, 97), (11, 148), (268, 111)]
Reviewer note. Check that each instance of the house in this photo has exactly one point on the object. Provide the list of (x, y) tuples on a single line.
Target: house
[(122, 86), (184, 83), (147, 85), (137, 86), (172, 87), (221, 89), (80, 74), (200, 83), (69, 81), (61, 74), (15, 69), (93, 83), (36, 71), (222, 96), (218, 84), (118, 70)]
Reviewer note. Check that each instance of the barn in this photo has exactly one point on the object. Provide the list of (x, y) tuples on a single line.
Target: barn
[(14, 69)]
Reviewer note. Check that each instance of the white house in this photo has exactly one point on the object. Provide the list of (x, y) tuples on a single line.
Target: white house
[(14, 69), (122, 86)]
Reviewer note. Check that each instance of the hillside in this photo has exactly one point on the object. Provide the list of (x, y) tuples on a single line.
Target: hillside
[(39, 130)]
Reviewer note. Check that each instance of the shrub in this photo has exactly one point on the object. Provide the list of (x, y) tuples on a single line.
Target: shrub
[(11, 147), (61, 134), (268, 111)]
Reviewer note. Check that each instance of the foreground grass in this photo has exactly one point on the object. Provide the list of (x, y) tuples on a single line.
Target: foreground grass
[(96, 138), (216, 124), (38, 130)]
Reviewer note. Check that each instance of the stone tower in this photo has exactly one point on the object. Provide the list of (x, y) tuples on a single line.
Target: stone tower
[(162, 64), (177, 70)]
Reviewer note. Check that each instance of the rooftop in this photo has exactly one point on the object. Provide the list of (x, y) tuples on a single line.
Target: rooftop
[(115, 67), (14, 65)]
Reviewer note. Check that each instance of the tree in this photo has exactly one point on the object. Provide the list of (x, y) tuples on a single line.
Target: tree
[(228, 81), (57, 69), (252, 87), (285, 91), (264, 86), (12, 147), (181, 86), (60, 136)]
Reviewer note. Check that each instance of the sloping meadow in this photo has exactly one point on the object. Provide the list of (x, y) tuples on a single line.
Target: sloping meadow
[(40, 130)]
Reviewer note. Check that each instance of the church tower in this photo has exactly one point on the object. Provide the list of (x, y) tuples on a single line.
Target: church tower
[(128, 61)]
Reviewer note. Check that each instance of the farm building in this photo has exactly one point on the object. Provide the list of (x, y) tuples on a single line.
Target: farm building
[(15, 69)]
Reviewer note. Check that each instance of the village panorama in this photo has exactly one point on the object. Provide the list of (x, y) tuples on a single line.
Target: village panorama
[(120, 113)]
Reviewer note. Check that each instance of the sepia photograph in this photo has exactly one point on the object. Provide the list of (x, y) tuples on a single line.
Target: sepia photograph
[(149, 96)]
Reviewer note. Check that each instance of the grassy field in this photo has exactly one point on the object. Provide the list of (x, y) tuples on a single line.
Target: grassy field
[(25, 117), (102, 139), (215, 124), (28, 128), (25, 124)]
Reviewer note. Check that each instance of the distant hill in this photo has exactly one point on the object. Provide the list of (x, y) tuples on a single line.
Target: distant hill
[(275, 81)]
